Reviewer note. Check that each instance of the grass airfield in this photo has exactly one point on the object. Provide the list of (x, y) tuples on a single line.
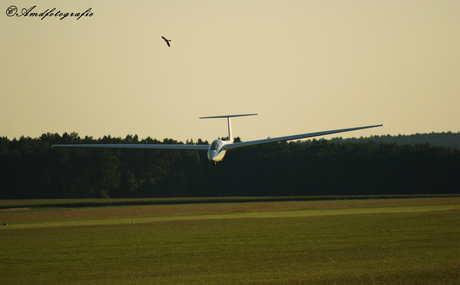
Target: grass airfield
[(368, 241)]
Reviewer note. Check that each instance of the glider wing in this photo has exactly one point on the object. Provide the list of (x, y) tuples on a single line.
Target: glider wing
[(294, 137), (144, 146)]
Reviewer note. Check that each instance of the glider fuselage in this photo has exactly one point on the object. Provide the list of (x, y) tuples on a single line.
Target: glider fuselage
[(216, 152)]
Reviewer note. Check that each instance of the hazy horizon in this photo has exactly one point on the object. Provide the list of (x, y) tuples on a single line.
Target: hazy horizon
[(303, 66)]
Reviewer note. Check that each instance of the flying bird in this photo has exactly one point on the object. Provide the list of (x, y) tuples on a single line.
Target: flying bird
[(166, 40)]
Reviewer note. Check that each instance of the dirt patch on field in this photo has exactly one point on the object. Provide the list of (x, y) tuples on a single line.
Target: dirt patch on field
[(15, 209)]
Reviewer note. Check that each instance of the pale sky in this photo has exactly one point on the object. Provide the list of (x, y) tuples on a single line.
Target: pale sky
[(303, 66)]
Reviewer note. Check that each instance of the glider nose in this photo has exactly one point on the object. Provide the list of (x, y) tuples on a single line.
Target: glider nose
[(216, 156), (211, 155)]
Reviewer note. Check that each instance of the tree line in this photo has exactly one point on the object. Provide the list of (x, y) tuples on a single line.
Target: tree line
[(447, 139), (30, 168)]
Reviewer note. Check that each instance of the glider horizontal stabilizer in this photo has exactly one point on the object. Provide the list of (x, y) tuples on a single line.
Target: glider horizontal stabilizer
[(230, 135), (228, 116)]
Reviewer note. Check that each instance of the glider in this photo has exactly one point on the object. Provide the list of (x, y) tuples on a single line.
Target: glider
[(218, 148), (166, 40)]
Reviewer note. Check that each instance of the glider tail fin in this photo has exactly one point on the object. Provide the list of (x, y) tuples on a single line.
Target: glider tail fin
[(230, 135)]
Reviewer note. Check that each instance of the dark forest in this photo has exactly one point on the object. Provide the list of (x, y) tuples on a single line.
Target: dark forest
[(30, 168)]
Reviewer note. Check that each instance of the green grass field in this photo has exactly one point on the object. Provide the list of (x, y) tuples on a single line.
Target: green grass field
[(374, 241)]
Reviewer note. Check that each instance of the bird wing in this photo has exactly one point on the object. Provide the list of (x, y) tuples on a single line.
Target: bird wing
[(166, 40)]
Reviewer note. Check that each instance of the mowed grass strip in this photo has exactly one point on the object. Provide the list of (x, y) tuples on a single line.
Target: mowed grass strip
[(390, 248), (98, 202), (54, 217)]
